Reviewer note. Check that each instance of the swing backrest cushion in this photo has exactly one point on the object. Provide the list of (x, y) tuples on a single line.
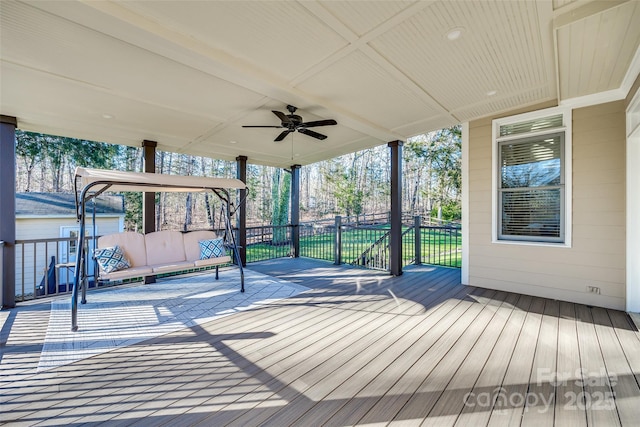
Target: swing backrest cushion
[(164, 247), (131, 243), (191, 245)]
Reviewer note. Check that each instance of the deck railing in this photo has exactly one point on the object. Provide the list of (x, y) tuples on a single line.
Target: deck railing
[(268, 242), (441, 245), (317, 240), (42, 267), (366, 243)]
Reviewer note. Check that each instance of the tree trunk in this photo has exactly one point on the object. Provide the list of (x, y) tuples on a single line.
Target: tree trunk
[(188, 212), (207, 204)]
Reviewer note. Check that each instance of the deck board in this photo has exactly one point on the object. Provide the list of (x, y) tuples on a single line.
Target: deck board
[(599, 401), (460, 365), (539, 411), (508, 412), (493, 372), (360, 347), (351, 411), (624, 386), (567, 412), (338, 389), (417, 382)]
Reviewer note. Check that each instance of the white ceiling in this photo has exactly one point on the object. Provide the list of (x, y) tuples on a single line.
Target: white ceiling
[(189, 74)]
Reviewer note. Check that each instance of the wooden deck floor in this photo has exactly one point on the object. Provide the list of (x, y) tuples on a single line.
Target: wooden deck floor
[(360, 348)]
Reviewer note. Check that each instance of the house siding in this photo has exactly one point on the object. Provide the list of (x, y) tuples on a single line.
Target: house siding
[(45, 228), (597, 253), (37, 257)]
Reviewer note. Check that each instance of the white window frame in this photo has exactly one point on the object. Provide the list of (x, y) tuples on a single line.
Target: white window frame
[(567, 165)]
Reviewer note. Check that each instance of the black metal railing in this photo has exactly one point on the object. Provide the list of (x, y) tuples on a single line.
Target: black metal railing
[(45, 267), (441, 245), (268, 242), (317, 240), (368, 246)]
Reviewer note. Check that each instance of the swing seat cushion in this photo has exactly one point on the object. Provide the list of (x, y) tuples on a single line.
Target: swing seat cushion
[(160, 252), (171, 267), (212, 261), (127, 273)]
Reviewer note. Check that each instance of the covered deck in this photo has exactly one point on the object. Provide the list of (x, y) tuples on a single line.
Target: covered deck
[(358, 348)]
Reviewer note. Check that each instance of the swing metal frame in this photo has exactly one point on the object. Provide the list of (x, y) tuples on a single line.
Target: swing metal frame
[(91, 183)]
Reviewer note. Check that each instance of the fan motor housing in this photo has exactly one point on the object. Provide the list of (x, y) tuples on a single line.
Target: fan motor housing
[(295, 119)]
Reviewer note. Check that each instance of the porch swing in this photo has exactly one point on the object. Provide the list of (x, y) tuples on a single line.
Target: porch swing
[(90, 183)]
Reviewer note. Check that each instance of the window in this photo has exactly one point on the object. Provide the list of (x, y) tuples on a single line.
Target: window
[(530, 178)]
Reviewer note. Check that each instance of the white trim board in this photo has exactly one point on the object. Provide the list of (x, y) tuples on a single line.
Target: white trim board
[(633, 209), (465, 204)]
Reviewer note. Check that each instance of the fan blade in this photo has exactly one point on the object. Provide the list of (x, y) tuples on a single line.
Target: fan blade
[(276, 127), (282, 136), (283, 118), (329, 122), (312, 133)]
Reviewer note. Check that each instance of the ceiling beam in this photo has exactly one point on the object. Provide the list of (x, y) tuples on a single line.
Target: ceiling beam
[(221, 64), (584, 11)]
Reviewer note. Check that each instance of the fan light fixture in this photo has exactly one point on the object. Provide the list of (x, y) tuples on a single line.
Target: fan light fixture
[(455, 33)]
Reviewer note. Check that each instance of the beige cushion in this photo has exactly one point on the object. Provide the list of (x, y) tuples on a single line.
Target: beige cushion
[(170, 268), (164, 247), (191, 239), (132, 244), (212, 261), (127, 273)]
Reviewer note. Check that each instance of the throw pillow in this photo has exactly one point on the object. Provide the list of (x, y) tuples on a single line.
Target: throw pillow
[(111, 259), (212, 248)]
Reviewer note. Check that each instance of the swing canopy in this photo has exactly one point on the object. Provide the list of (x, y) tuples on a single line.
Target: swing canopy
[(109, 180)]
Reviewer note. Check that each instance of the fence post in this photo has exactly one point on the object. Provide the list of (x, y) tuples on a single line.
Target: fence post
[(337, 244), (417, 222)]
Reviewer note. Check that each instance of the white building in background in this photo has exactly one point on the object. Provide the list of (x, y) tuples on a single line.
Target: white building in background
[(41, 220)]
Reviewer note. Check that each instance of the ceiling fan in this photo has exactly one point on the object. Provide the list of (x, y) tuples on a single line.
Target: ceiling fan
[(292, 122)]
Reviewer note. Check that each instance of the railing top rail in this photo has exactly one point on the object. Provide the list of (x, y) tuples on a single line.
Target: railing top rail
[(258, 227), (366, 227), (440, 227), (51, 240)]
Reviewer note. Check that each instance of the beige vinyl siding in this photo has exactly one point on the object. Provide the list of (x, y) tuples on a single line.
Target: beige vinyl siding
[(45, 228), (597, 253), (37, 260)]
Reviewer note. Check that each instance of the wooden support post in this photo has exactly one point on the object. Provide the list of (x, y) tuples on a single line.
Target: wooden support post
[(8, 212), (149, 197), (395, 236), (241, 174)]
